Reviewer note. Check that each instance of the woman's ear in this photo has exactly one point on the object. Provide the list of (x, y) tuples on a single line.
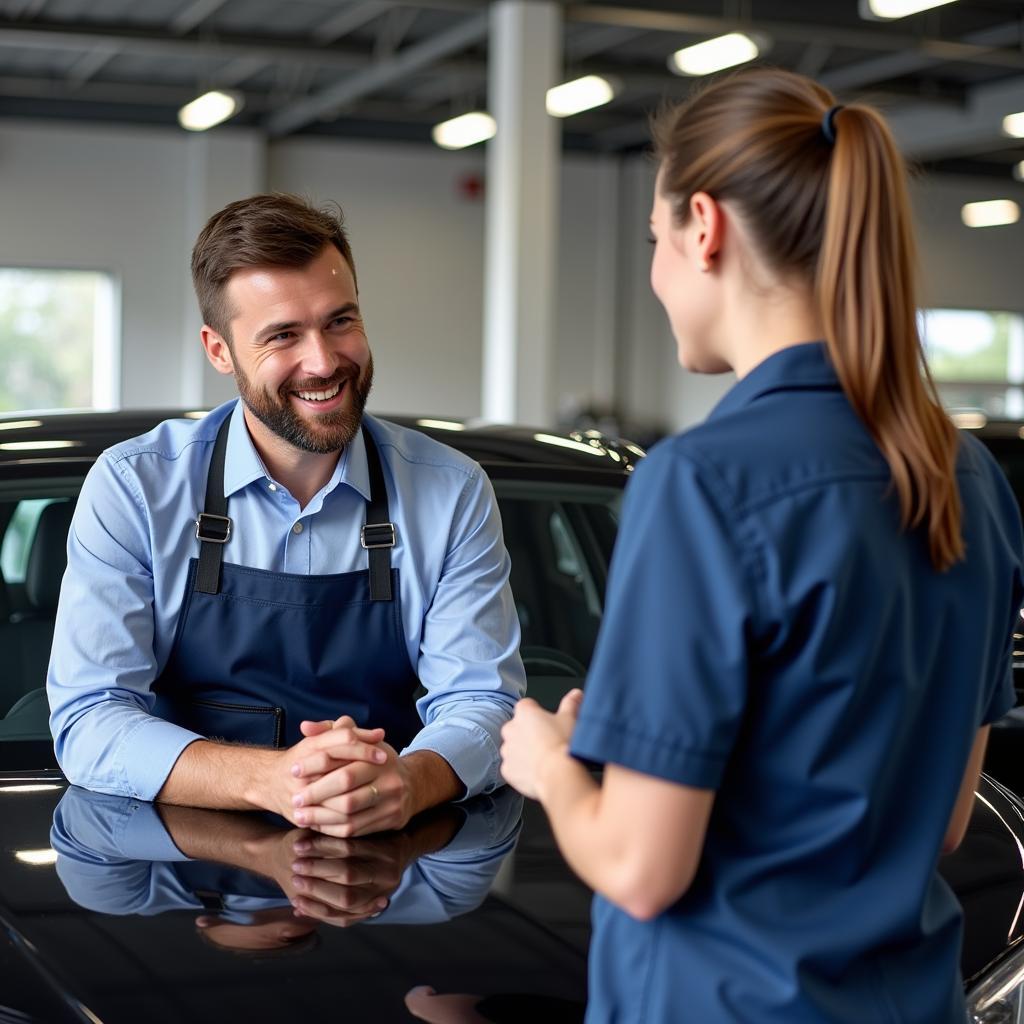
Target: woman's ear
[(707, 226)]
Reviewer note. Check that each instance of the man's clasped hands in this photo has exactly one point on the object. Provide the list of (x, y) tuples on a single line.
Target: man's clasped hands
[(339, 780)]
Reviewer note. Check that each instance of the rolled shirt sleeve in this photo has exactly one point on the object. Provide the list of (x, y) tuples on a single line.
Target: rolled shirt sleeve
[(469, 660), (102, 664), (668, 684)]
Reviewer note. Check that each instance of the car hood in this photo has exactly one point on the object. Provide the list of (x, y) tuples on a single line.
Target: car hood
[(99, 908)]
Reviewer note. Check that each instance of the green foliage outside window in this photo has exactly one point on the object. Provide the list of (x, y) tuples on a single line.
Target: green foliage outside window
[(971, 345), (47, 337)]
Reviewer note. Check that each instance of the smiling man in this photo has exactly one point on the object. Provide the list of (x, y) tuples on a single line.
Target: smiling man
[(286, 605)]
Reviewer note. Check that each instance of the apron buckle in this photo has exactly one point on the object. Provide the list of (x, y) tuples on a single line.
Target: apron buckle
[(377, 535), (214, 529)]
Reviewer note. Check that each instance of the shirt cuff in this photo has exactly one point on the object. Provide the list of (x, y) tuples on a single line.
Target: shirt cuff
[(604, 742), (149, 752), (143, 836), (469, 750)]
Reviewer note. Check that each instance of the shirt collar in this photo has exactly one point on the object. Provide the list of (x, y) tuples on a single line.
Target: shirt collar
[(798, 367), (243, 465)]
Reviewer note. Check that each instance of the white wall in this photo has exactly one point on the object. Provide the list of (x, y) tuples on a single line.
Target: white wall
[(130, 201), (111, 200), (980, 268), (419, 242), (418, 248)]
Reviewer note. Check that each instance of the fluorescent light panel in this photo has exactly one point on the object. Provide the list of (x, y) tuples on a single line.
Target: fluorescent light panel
[(579, 95), (465, 130), (1013, 124), (208, 110), (990, 214), (714, 55), (893, 9)]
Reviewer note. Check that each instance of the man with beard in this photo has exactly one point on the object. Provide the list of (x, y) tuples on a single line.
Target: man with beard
[(253, 600)]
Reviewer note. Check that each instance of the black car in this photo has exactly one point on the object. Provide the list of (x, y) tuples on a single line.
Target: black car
[(117, 910)]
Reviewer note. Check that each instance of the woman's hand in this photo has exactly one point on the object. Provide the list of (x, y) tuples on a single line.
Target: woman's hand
[(533, 738)]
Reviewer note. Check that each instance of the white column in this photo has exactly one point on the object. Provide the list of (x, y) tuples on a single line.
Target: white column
[(222, 166), (522, 201)]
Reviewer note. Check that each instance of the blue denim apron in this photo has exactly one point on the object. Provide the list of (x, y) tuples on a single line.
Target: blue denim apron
[(256, 652)]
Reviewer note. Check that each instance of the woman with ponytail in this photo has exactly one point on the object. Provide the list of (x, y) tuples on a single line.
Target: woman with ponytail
[(809, 613)]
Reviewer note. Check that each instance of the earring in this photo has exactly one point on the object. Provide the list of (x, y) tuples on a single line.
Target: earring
[(704, 266)]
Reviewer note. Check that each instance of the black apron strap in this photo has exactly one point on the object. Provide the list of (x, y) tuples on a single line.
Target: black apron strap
[(213, 527), (378, 534)]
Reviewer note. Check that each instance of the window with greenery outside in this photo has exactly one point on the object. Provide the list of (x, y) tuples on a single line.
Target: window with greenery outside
[(56, 339)]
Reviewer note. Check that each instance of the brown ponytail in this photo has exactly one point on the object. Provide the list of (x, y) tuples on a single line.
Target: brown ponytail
[(836, 215)]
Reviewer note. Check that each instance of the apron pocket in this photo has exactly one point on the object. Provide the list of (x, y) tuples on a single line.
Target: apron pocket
[(239, 723)]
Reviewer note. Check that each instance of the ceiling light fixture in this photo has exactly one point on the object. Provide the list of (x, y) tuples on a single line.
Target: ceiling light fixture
[(890, 10), (208, 110), (1018, 171), (990, 214), (578, 95), (1013, 124), (714, 55), (465, 130)]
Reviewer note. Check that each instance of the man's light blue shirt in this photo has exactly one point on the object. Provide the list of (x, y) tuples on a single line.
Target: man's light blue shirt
[(133, 534)]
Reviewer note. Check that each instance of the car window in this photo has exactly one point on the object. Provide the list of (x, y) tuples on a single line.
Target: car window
[(559, 538), (17, 538), (26, 607)]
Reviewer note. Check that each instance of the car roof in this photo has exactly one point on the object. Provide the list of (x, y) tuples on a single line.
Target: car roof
[(67, 443)]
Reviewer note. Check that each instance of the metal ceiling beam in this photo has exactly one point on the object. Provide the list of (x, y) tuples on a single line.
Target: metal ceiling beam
[(378, 76), (28, 87), (895, 65), (25, 8), (235, 72), (89, 64), (595, 39), (194, 15), (884, 40), (76, 38), (348, 20), (925, 133)]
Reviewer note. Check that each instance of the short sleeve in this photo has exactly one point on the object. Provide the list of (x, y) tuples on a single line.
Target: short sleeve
[(1004, 695), (668, 684)]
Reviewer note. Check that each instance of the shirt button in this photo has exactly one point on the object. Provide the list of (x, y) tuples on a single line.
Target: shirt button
[(273, 487), (297, 528)]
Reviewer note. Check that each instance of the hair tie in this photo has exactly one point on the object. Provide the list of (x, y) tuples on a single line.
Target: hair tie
[(828, 126)]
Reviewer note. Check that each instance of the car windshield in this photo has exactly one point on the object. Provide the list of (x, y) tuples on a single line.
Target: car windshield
[(559, 536)]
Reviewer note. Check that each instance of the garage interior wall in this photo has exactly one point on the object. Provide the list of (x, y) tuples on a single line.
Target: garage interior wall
[(125, 201)]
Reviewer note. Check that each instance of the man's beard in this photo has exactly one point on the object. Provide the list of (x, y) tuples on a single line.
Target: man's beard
[(333, 430)]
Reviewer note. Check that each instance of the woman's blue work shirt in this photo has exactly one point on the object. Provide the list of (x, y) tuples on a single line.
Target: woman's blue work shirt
[(771, 633)]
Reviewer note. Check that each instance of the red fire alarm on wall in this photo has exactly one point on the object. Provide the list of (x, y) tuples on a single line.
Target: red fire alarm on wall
[(471, 186)]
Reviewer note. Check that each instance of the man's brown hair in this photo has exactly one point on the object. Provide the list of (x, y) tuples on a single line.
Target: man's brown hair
[(270, 230)]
